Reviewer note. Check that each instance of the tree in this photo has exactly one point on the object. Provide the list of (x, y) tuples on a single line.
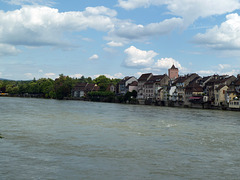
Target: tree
[(63, 86), (103, 82)]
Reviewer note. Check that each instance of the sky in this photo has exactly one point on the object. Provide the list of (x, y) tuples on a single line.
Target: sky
[(118, 38)]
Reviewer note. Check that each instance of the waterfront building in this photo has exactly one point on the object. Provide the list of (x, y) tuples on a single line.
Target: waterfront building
[(181, 82), (81, 89), (123, 85), (220, 95), (141, 90)]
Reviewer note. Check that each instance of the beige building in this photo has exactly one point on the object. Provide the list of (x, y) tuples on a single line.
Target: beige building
[(220, 95)]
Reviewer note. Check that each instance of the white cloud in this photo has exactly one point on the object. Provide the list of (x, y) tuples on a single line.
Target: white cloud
[(132, 4), (76, 76), (50, 75), (226, 36), (138, 58), (144, 61), (188, 9), (100, 10), (40, 71), (115, 44), (166, 63), (226, 69), (224, 66), (115, 76), (28, 75), (206, 72), (6, 50), (34, 2), (125, 31), (118, 75), (40, 25), (94, 57)]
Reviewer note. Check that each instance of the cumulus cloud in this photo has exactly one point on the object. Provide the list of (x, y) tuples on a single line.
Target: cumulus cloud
[(144, 60), (166, 63), (188, 9), (226, 36), (139, 58), (45, 26), (94, 57), (40, 25)]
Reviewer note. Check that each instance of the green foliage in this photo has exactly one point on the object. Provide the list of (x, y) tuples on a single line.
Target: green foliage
[(103, 96), (63, 86), (57, 89), (103, 82)]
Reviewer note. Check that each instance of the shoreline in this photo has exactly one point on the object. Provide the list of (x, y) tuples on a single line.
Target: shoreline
[(127, 103)]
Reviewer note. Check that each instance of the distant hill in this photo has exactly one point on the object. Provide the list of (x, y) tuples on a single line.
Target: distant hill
[(4, 79)]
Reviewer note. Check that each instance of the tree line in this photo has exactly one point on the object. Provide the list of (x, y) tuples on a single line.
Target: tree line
[(49, 88)]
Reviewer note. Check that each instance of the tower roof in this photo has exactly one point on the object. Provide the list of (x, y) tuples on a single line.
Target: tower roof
[(173, 67)]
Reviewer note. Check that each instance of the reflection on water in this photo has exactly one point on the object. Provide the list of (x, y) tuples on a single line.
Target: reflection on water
[(48, 139)]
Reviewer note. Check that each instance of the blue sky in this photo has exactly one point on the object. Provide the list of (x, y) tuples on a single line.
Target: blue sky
[(117, 38)]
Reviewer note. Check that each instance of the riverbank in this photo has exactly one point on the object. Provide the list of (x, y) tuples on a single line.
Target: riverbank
[(161, 103), (134, 101)]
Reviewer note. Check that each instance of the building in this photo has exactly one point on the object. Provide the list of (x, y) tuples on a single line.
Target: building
[(220, 95), (234, 104), (81, 89), (123, 85), (111, 88), (133, 86), (193, 94), (155, 86), (173, 72), (181, 83), (141, 81)]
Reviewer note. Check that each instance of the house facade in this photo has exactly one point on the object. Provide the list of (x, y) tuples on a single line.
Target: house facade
[(81, 89), (220, 95), (141, 81), (123, 85)]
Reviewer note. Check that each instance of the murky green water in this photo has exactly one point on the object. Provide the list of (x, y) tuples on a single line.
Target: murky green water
[(48, 139)]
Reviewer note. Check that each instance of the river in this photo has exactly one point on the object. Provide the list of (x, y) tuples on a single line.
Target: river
[(50, 139)]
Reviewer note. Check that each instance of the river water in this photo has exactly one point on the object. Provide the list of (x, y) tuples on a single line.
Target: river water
[(49, 139)]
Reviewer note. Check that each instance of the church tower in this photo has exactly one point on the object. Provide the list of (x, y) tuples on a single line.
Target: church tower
[(173, 72)]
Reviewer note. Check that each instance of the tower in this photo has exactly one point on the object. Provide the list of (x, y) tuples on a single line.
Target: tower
[(173, 72)]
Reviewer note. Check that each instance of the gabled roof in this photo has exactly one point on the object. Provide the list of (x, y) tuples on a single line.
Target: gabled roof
[(89, 87), (144, 77), (85, 87), (134, 83), (80, 86), (155, 78)]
